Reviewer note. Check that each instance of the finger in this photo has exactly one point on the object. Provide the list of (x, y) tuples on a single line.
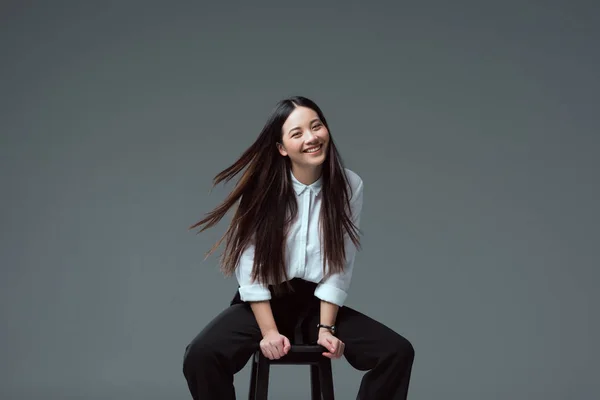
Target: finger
[(267, 353), (327, 343), (280, 352), (276, 353), (332, 346), (340, 350), (337, 352), (275, 346), (336, 348), (286, 345), (281, 346)]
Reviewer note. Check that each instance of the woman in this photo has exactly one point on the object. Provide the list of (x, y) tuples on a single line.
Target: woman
[(291, 245)]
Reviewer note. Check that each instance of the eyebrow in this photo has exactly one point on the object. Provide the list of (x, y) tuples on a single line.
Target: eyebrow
[(297, 127)]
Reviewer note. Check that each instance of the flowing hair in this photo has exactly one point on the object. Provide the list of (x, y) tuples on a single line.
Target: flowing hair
[(266, 204)]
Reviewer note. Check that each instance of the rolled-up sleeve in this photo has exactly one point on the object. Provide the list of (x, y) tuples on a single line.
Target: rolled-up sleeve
[(250, 290), (334, 289)]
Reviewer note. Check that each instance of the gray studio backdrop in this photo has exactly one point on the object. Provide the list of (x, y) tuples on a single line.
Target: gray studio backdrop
[(473, 124)]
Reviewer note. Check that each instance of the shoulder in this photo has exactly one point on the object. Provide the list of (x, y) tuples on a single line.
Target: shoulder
[(354, 181)]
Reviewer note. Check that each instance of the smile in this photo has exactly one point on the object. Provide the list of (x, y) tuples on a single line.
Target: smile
[(315, 149)]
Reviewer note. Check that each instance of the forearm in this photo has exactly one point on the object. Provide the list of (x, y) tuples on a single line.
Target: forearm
[(264, 316), (328, 313)]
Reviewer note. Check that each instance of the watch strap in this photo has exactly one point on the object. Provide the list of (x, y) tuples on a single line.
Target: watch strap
[(329, 327)]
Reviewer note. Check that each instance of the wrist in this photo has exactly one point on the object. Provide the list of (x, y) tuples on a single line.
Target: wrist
[(329, 328), (323, 331), (270, 331)]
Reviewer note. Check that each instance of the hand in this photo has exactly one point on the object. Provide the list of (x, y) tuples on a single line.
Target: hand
[(274, 345), (331, 343)]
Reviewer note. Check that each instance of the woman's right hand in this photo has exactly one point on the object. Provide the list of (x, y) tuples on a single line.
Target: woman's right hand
[(274, 345)]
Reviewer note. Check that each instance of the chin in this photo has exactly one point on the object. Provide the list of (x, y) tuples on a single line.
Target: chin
[(318, 163)]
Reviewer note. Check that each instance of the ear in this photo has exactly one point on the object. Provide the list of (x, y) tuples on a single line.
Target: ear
[(281, 149)]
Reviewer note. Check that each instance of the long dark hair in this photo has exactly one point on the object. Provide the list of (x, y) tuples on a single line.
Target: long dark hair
[(267, 203)]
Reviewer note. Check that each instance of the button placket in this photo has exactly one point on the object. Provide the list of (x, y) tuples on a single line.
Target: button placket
[(304, 229)]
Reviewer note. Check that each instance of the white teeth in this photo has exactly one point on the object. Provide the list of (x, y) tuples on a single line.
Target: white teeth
[(314, 149)]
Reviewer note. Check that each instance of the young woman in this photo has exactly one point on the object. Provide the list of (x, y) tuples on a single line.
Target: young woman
[(291, 244)]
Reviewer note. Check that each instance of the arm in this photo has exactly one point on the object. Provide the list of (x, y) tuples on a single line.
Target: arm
[(258, 295), (334, 346), (273, 345), (264, 316), (328, 314), (334, 289), (249, 289)]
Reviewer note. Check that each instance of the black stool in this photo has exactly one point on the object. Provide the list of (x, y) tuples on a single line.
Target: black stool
[(321, 376)]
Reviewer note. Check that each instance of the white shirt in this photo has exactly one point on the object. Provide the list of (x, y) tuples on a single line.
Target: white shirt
[(303, 247)]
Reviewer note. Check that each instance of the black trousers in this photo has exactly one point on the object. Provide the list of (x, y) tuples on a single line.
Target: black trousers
[(226, 344)]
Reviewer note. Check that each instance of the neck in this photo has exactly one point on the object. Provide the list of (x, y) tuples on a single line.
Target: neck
[(307, 176)]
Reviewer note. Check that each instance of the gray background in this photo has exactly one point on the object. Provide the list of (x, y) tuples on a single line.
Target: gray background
[(473, 124)]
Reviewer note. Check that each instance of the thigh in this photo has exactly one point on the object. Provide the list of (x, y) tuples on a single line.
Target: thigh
[(232, 337), (368, 341)]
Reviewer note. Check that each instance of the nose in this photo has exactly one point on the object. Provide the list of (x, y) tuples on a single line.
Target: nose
[(311, 137)]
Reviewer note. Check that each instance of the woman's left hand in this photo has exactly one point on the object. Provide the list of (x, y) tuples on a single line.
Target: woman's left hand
[(331, 343)]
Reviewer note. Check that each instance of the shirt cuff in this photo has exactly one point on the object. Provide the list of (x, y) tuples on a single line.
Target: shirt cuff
[(331, 294), (254, 293)]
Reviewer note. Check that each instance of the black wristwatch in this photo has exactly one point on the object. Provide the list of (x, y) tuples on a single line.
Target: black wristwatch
[(330, 327)]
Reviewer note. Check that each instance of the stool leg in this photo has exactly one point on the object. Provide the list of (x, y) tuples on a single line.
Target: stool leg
[(326, 376), (315, 383), (253, 378), (262, 381)]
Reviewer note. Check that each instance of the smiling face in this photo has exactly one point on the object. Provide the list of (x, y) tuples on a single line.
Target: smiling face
[(305, 141)]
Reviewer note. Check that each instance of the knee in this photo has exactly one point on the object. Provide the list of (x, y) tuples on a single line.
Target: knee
[(197, 354), (402, 348)]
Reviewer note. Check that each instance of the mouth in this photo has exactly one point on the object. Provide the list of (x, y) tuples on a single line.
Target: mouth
[(314, 149)]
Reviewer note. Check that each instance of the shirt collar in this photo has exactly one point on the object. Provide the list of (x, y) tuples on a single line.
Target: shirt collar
[(299, 187)]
